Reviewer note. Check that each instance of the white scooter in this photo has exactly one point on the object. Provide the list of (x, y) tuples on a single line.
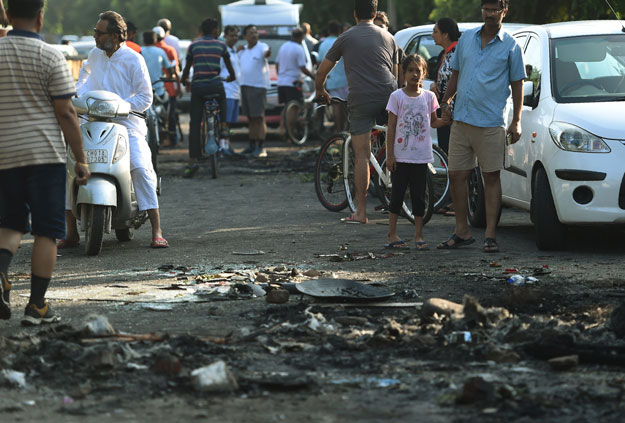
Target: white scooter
[(108, 201)]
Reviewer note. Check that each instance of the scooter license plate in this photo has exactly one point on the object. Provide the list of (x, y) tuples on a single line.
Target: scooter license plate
[(97, 156)]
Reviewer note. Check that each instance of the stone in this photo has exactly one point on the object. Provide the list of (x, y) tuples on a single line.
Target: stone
[(262, 278), (617, 321), (476, 389), (277, 296), (442, 307), (563, 364), (500, 355), (168, 365)]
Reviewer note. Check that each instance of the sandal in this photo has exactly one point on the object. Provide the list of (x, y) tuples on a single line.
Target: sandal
[(458, 242), (189, 171), (490, 245), (397, 245), (422, 245), (351, 219), (159, 243)]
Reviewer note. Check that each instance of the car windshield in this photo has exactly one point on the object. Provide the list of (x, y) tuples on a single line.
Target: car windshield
[(589, 69)]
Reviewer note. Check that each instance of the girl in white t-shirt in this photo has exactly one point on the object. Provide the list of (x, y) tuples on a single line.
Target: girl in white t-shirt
[(411, 113)]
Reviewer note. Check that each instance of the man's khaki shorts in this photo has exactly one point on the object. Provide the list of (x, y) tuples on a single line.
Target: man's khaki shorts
[(468, 142)]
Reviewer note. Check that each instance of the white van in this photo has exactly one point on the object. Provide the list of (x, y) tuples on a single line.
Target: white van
[(275, 19)]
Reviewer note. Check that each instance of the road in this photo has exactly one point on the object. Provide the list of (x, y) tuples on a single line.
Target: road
[(261, 220)]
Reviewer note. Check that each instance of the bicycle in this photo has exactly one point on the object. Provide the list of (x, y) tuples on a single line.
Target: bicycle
[(303, 119), (334, 175), (211, 123)]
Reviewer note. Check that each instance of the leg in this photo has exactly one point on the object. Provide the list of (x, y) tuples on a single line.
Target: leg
[(400, 183), (155, 221), (72, 237), (362, 151), (10, 240), (262, 131), (339, 117), (417, 178), (460, 196), (197, 106), (492, 192), (145, 188), (172, 126)]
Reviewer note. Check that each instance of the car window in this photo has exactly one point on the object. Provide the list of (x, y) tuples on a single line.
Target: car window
[(588, 68), (533, 62), (424, 46), (521, 39)]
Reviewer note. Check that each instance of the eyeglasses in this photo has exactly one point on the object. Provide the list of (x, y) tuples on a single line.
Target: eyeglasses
[(98, 33), (488, 11)]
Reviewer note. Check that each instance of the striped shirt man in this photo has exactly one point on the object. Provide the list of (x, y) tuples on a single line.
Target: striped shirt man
[(32, 74), (205, 54)]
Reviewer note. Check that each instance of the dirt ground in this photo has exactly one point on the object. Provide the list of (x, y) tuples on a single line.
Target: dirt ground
[(309, 360)]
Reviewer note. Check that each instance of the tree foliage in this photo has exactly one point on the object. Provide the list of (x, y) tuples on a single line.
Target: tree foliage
[(79, 16)]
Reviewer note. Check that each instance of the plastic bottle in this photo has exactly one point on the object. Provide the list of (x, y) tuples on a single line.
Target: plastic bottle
[(519, 280)]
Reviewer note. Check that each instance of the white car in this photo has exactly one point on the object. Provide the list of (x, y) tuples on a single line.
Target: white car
[(568, 168)]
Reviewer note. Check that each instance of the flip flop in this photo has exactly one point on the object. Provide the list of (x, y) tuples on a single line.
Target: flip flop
[(64, 244), (490, 245), (159, 243), (351, 219), (422, 245), (458, 242), (397, 245)]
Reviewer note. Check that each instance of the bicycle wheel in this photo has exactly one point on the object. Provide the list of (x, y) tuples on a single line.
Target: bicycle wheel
[(385, 191), (329, 185), (439, 174), (296, 122)]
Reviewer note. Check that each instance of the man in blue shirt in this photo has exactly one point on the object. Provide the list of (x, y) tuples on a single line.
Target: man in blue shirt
[(336, 83), (487, 67), (156, 60), (205, 56)]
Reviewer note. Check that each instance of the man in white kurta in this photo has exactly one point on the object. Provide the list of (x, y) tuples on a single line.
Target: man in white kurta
[(114, 67)]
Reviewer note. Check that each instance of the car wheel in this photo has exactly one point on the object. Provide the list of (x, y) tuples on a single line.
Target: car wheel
[(550, 233)]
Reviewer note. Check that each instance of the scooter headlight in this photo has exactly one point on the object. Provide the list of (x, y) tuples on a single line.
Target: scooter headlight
[(121, 149), (102, 108), (572, 138)]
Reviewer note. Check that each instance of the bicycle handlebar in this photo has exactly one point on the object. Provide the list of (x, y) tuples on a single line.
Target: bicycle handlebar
[(333, 100)]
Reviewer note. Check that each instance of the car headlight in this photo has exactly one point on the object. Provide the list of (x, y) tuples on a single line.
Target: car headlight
[(121, 149), (102, 108), (572, 138)]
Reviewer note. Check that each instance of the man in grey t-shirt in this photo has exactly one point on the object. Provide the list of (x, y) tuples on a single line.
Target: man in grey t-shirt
[(371, 64)]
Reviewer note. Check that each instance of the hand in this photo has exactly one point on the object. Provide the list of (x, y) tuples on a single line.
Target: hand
[(323, 97), (447, 114), (515, 130), (434, 89), (241, 47), (82, 173), (391, 163), (231, 78), (185, 81)]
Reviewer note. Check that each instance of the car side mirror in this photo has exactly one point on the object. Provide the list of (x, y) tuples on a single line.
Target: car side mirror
[(529, 99)]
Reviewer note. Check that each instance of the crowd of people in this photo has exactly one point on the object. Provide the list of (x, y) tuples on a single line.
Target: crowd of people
[(477, 74)]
